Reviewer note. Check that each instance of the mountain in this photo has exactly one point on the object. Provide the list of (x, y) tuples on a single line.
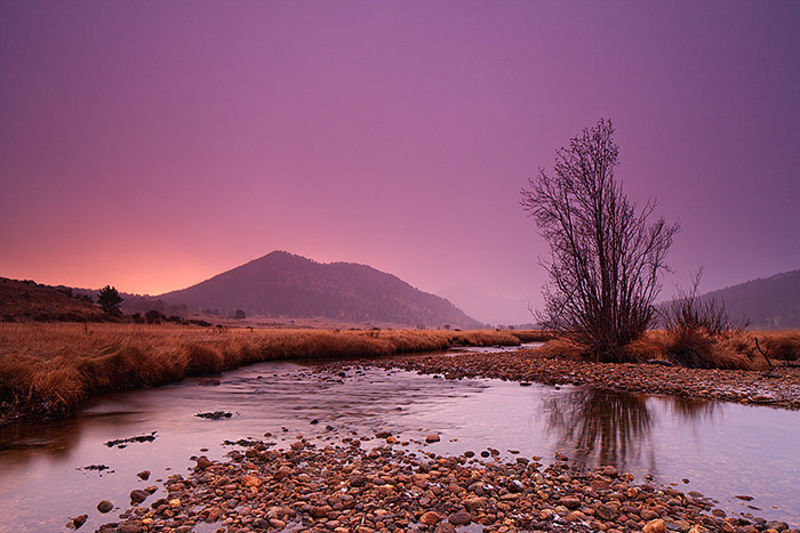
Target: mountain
[(27, 300), (770, 303), (284, 284)]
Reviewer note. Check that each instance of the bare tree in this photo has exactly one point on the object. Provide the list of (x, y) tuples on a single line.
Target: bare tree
[(605, 255)]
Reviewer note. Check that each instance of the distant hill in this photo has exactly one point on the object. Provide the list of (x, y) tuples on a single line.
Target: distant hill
[(284, 284), (27, 300), (770, 303)]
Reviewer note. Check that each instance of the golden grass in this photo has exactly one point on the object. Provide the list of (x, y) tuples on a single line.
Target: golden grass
[(50, 368), (731, 350), (533, 335)]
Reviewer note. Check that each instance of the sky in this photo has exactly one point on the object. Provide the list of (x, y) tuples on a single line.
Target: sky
[(152, 145)]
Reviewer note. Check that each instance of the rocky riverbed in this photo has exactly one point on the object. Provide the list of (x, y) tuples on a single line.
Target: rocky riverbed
[(343, 487), (779, 388)]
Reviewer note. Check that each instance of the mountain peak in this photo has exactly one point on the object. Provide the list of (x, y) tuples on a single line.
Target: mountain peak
[(289, 285)]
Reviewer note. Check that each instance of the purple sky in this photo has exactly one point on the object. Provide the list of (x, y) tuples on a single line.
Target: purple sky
[(151, 145)]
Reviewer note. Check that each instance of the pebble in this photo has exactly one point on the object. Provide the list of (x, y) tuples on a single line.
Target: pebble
[(340, 488), (105, 506), (525, 367)]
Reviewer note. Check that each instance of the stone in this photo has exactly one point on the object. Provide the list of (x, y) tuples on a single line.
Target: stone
[(606, 512), (570, 502), (475, 503), (433, 437), (655, 526), (320, 511), (105, 506), (609, 471), (144, 475), (138, 496), (460, 518), (358, 481), (445, 527), (79, 520), (431, 518), (250, 481)]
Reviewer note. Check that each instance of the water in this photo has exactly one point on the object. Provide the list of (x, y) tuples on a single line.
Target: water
[(723, 449)]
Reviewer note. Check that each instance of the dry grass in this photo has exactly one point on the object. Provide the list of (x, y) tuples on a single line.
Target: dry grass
[(51, 368), (533, 335), (729, 350)]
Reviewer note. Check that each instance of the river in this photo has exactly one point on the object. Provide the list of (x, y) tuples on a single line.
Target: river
[(721, 449)]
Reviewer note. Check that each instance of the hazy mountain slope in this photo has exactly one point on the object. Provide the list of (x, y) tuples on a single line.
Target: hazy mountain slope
[(283, 284), (771, 303), (28, 300)]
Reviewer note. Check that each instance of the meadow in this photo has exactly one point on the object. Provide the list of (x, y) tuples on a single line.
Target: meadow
[(730, 350), (49, 368)]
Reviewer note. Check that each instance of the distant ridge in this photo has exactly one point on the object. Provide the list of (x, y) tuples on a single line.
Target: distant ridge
[(26, 300), (288, 285), (769, 303)]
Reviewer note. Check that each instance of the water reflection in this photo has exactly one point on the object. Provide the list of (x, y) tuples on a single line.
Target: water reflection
[(615, 428), (601, 426), (694, 410)]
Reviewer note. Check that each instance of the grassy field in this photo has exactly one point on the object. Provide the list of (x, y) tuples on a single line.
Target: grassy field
[(731, 350), (49, 369)]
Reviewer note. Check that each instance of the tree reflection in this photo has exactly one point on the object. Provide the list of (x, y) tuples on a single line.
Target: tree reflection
[(694, 410), (600, 427)]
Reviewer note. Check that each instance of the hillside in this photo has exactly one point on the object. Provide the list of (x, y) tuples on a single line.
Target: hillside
[(22, 301), (769, 303), (283, 284)]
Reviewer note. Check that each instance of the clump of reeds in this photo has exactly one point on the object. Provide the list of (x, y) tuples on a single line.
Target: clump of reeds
[(51, 368), (562, 347), (701, 334)]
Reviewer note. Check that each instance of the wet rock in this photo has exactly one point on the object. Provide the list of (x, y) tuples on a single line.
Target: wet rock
[(121, 443), (138, 496), (214, 415), (433, 437), (460, 518), (609, 471), (105, 506), (144, 475), (203, 462), (78, 521), (298, 445)]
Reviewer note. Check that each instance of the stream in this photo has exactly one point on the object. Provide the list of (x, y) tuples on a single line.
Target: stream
[(723, 450)]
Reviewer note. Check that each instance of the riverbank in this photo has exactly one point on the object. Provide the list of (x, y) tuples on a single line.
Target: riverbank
[(779, 387), (343, 487), (47, 370)]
